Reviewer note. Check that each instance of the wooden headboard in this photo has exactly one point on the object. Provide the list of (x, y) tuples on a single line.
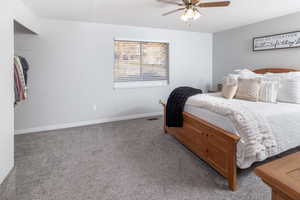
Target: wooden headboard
[(274, 70)]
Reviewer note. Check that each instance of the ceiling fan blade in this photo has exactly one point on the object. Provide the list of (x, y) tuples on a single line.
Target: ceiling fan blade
[(173, 11), (171, 2), (214, 4), (195, 1)]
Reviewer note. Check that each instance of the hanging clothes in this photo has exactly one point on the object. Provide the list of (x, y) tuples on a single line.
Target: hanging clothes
[(21, 68), (25, 67)]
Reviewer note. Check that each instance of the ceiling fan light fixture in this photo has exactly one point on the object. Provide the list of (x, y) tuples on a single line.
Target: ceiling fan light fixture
[(190, 8), (197, 14), (190, 14), (184, 17)]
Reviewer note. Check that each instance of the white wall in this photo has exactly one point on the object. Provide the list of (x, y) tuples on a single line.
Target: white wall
[(71, 71), (232, 49), (10, 10), (6, 90), (25, 16)]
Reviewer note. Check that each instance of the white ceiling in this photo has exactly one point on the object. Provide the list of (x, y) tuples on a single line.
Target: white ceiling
[(147, 13)]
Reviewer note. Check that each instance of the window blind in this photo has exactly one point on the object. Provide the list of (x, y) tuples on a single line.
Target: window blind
[(140, 61)]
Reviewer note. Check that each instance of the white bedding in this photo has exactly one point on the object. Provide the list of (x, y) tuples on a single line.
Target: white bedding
[(283, 119)]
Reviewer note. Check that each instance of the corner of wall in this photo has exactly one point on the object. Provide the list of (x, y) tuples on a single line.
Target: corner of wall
[(23, 15), (213, 59)]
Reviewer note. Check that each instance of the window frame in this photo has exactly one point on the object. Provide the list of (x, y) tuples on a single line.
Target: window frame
[(142, 83)]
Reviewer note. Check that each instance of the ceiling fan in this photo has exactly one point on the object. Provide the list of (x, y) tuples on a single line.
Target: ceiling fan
[(190, 7)]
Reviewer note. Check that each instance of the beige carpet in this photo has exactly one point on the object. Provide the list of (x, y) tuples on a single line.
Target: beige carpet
[(129, 160)]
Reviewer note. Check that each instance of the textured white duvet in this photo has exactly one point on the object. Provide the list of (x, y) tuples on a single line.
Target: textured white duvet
[(266, 129)]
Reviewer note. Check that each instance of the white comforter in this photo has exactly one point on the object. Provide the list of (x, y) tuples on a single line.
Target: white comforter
[(265, 129)]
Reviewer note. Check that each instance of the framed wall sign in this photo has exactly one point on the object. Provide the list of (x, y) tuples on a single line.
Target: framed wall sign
[(278, 41)]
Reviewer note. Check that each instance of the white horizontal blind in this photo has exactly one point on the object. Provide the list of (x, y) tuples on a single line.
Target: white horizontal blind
[(140, 61)]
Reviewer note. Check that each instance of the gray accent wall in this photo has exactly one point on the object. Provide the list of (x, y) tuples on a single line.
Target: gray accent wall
[(232, 49)]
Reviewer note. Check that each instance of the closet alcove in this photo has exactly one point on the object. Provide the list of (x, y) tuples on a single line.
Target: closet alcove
[(23, 72)]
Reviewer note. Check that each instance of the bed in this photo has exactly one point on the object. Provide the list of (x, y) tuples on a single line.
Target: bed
[(215, 140)]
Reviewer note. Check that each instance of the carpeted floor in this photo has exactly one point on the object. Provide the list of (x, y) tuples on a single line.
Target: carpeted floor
[(128, 160)]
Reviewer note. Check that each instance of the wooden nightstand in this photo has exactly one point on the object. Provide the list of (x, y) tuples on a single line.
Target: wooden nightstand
[(283, 176)]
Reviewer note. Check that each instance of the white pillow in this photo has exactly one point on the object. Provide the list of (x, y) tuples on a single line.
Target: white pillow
[(232, 79), (282, 76), (278, 76), (246, 73), (289, 86), (269, 91), (289, 91)]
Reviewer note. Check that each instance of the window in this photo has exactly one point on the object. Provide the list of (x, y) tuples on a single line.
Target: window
[(140, 63)]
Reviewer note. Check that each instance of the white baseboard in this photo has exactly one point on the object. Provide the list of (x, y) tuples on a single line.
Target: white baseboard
[(84, 123)]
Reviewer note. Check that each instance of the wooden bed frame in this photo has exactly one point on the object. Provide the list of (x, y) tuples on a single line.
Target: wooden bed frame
[(212, 144)]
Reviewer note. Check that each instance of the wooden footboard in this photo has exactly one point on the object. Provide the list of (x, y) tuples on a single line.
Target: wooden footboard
[(212, 144)]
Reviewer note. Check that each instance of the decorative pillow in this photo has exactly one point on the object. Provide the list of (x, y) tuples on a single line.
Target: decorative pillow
[(229, 91), (231, 79), (248, 89), (269, 91), (289, 91)]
